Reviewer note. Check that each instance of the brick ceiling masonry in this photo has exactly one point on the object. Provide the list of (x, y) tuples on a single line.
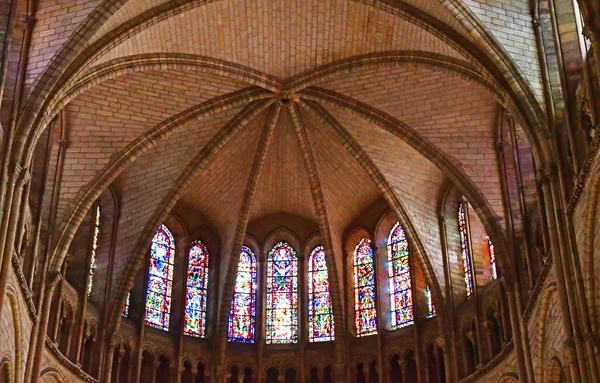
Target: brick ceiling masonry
[(243, 109)]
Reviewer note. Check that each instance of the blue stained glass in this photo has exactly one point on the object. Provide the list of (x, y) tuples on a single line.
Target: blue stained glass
[(401, 302), (365, 318), (160, 279), (126, 307), (196, 292), (242, 313), (320, 311), (282, 295)]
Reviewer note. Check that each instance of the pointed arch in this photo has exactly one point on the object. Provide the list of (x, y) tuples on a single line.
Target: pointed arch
[(242, 314), (160, 279), (320, 308), (401, 300), (365, 310), (196, 290), (282, 295)]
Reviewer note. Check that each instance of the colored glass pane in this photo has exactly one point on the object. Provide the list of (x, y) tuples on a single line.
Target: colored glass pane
[(365, 312), (196, 290), (430, 306), (493, 259), (93, 252), (160, 279), (242, 313), (401, 301), (466, 252), (320, 311), (282, 295), (126, 307)]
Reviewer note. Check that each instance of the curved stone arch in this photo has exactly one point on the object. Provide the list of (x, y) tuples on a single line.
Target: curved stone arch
[(509, 377), (537, 126), (13, 299), (555, 372), (58, 73), (6, 370), (284, 234), (549, 292), (450, 167), (96, 19), (52, 374), (90, 192), (452, 66), (311, 243)]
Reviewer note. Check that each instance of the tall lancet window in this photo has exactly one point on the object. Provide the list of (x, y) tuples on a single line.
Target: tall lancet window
[(365, 311), (196, 293), (282, 295), (399, 275), (430, 305), (160, 279), (465, 249), (93, 251), (320, 311), (242, 314), (492, 259)]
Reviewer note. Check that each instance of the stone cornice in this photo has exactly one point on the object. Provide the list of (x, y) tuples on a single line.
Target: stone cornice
[(490, 365), (67, 363), (27, 295), (539, 285)]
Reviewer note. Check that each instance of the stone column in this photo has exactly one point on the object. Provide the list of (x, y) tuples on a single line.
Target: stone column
[(562, 287), (39, 332), (303, 329), (516, 332), (120, 356), (20, 177), (488, 331), (155, 364), (403, 368), (68, 341), (108, 366)]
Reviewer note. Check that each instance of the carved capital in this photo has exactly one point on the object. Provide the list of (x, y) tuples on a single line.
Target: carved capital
[(500, 146)]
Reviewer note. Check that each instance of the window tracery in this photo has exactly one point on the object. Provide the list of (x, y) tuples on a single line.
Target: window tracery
[(320, 310), (365, 316), (242, 314), (282, 295), (196, 290), (160, 279), (401, 301)]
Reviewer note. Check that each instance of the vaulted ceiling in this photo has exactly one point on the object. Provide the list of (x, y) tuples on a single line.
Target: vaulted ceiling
[(314, 108)]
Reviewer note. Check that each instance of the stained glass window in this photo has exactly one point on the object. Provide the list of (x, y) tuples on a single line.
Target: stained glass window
[(196, 291), (493, 259), (160, 279), (126, 307), (242, 314), (399, 275), (320, 311), (365, 313), (464, 244), (93, 253), (430, 306), (282, 295)]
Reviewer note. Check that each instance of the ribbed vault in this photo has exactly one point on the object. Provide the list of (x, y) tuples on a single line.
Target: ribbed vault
[(314, 110)]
